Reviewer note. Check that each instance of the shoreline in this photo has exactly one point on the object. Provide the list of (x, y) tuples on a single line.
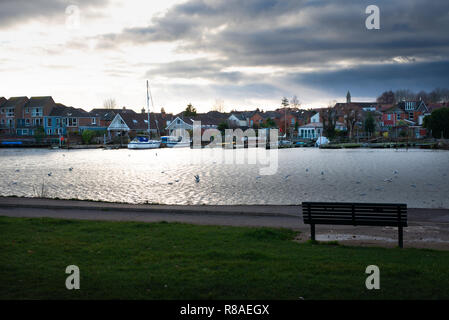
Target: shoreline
[(428, 228)]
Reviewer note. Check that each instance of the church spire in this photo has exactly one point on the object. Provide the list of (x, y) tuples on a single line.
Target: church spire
[(348, 97)]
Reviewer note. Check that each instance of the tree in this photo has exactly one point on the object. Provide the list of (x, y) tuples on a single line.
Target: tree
[(329, 118), (190, 111), (351, 116), (294, 102), (370, 124), (109, 103), (403, 94), (222, 126), (386, 98), (87, 136), (284, 102), (438, 123), (269, 123), (218, 106)]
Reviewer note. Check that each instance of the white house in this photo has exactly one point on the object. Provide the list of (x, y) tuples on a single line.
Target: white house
[(311, 130)]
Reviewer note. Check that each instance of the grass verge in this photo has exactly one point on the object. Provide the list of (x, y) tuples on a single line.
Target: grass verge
[(127, 260)]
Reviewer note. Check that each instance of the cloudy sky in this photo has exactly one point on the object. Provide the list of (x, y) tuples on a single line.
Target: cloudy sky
[(244, 53)]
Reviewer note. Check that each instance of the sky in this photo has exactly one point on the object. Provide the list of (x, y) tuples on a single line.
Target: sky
[(240, 54)]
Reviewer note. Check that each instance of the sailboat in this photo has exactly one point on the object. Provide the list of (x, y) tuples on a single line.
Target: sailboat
[(141, 142)]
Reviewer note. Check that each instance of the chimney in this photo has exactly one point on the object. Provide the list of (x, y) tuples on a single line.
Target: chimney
[(143, 110)]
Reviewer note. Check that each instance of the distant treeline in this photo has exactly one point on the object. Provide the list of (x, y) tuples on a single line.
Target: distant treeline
[(438, 95)]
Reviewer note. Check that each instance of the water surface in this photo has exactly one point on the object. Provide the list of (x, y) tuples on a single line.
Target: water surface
[(416, 177)]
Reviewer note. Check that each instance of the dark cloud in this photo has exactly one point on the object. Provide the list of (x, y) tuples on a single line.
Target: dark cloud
[(301, 33), (364, 80), (13, 12)]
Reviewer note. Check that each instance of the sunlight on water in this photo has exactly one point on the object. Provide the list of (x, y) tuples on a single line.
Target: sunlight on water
[(416, 177)]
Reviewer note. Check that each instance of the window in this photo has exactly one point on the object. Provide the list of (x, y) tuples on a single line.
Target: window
[(49, 122), (58, 122), (27, 110), (49, 131), (3, 110), (94, 120), (37, 122), (72, 122), (411, 115), (36, 112), (10, 112), (27, 122), (293, 121), (389, 116), (398, 116), (10, 122), (178, 121)]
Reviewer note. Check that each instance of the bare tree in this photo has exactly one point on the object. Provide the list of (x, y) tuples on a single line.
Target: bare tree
[(219, 106), (352, 116), (329, 118), (109, 103), (294, 102)]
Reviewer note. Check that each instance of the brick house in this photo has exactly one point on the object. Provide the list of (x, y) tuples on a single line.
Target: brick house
[(11, 114), (32, 115)]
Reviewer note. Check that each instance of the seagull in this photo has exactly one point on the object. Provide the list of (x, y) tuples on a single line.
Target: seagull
[(70, 169), (395, 172), (388, 180), (286, 177), (322, 173), (413, 185), (49, 174), (17, 170), (307, 170), (197, 178)]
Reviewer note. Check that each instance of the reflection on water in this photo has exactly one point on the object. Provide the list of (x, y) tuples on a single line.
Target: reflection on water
[(416, 177)]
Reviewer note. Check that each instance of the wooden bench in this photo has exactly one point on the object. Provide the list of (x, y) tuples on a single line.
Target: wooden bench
[(355, 214)]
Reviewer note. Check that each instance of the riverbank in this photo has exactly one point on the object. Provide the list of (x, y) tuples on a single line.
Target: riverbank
[(129, 260), (428, 228)]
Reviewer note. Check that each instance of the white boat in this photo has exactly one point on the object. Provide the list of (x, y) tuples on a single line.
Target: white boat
[(175, 142), (143, 143)]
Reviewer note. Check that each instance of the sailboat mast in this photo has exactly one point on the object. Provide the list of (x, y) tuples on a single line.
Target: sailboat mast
[(148, 108)]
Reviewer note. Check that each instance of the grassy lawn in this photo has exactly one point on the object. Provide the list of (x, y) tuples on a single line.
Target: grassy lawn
[(125, 260)]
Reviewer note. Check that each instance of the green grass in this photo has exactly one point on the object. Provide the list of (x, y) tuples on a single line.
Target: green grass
[(125, 260)]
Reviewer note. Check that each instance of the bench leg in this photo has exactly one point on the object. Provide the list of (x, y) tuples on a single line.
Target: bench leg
[(312, 232), (400, 237)]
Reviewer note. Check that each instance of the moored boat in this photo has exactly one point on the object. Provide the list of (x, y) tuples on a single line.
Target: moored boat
[(143, 143)]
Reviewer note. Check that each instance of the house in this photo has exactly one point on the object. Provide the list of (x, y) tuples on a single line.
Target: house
[(63, 120), (209, 120), (256, 120), (132, 123), (104, 116), (10, 111), (32, 115), (240, 118), (311, 130)]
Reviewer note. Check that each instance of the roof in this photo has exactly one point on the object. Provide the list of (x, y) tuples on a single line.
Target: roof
[(139, 121), (436, 106), (2, 101), (60, 110), (103, 114), (39, 101), (15, 102), (212, 118)]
